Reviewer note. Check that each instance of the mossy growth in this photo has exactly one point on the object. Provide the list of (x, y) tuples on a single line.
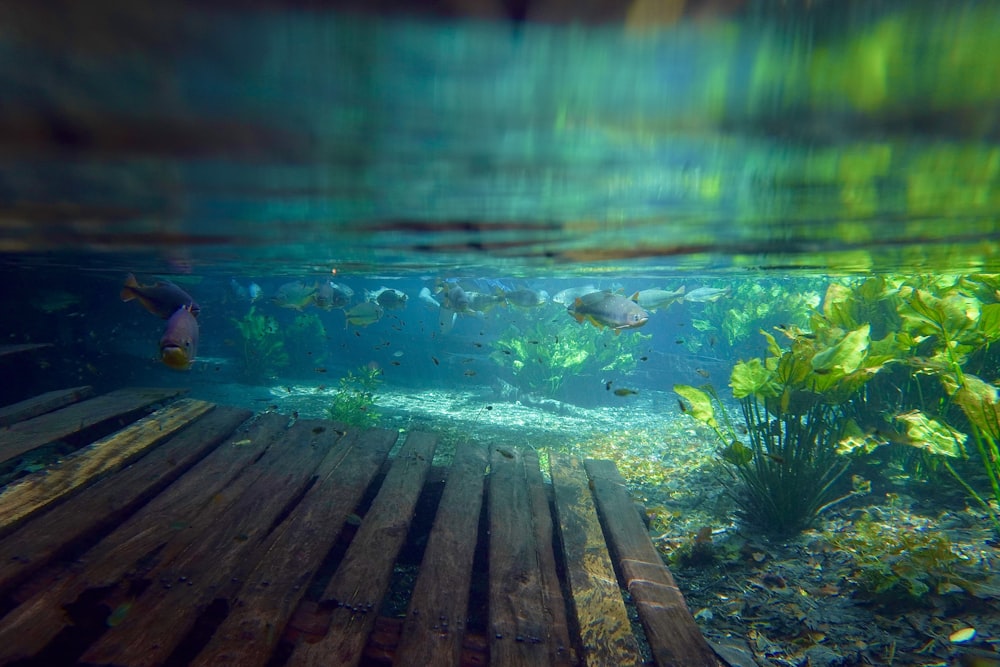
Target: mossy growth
[(354, 401), (263, 352)]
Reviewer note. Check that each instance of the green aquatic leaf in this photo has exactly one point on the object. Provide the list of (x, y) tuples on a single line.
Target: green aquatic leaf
[(989, 321), (700, 404), (773, 349), (703, 325), (948, 317), (932, 435), (838, 305), (736, 453), (846, 356), (752, 378), (979, 400), (852, 439)]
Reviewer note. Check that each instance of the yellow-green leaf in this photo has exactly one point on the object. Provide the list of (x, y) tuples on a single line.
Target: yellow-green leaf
[(932, 435), (700, 402)]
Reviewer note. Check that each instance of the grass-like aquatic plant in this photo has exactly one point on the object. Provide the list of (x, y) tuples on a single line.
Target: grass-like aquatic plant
[(355, 399)]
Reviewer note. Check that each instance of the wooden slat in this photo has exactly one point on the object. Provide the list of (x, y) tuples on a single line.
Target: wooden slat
[(517, 613), (42, 430), (272, 591), (179, 516), (43, 489), (560, 649), (39, 405), (107, 502), (435, 620), (216, 564), (360, 583), (600, 611), (673, 635), (6, 350)]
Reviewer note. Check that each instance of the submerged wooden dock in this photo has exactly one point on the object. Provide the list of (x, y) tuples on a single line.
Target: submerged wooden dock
[(181, 532)]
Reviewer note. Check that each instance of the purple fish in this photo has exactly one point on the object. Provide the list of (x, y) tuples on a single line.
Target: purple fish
[(180, 340), (162, 298)]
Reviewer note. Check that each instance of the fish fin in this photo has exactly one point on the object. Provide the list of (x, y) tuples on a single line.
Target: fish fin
[(681, 291), (128, 290), (578, 317), (635, 297)]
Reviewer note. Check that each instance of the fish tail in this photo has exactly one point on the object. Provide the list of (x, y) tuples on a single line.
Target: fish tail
[(128, 290)]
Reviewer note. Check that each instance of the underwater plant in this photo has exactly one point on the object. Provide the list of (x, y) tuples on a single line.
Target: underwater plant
[(542, 357), (754, 305), (263, 348), (307, 334), (795, 403), (898, 566), (354, 400)]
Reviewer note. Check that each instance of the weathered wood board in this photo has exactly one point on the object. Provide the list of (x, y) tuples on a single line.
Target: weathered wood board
[(165, 526), (44, 429), (517, 611), (605, 629), (435, 621), (108, 502), (40, 490), (673, 635), (39, 405), (219, 561), (361, 580), (262, 608), (198, 536)]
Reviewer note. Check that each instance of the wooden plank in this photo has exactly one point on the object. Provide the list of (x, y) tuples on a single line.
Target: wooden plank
[(214, 566), (517, 613), (435, 621), (182, 514), (673, 635), (6, 350), (44, 429), (560, 649), (605, 629), (360, 583), (39, 405), (250, 633), (109, 501), (82, 468)]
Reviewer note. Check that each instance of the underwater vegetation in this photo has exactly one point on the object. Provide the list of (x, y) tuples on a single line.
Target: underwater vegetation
[(306, 333), (354, 400), (752, 306), (542, 357), (898, 567), (263, 347), (886, 360)]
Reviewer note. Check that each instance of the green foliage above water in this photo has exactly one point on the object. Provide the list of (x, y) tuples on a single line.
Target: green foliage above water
[(355, 399), (541, 357), (263, 349)]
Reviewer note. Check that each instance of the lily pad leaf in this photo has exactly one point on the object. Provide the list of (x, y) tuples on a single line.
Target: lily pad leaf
[(979, 400), (932, 435)]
